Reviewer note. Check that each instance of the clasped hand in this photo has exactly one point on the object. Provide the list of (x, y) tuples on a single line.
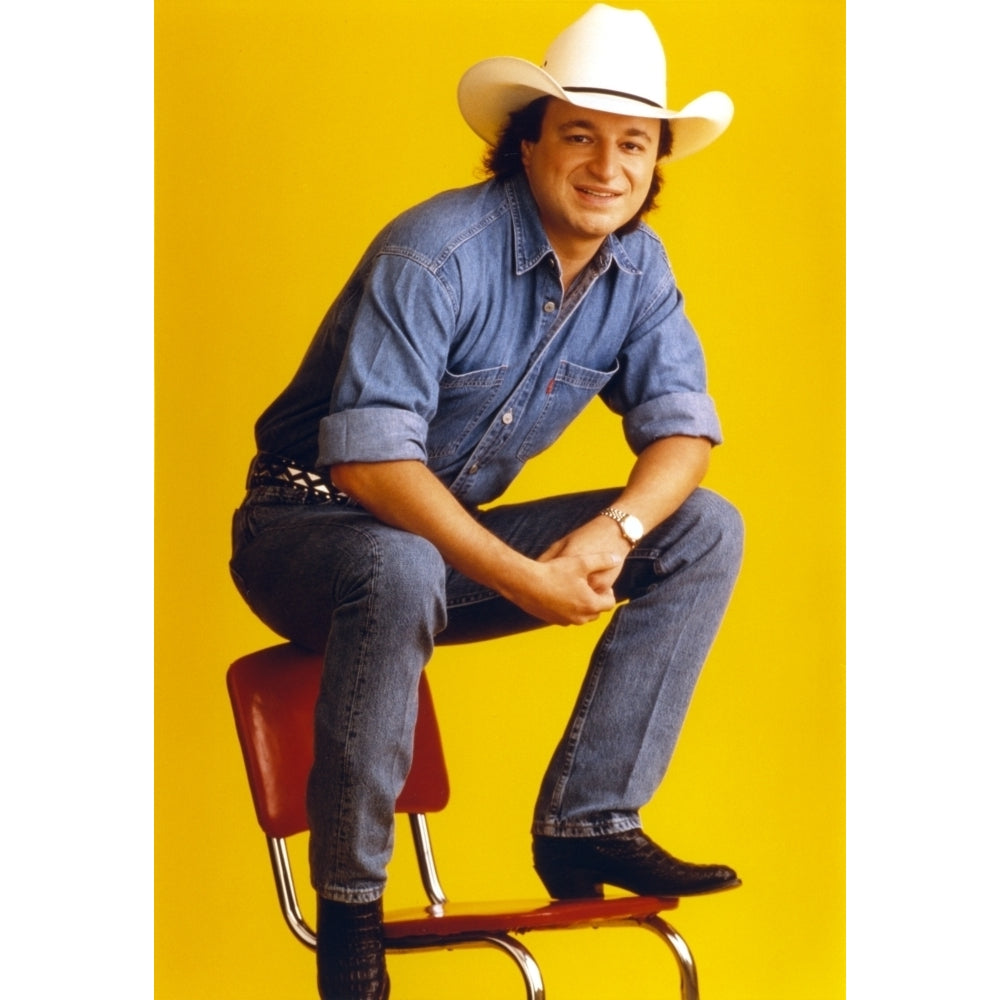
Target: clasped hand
[(575, 578)]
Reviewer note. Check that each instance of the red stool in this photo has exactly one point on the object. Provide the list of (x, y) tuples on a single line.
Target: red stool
[(273, 694)]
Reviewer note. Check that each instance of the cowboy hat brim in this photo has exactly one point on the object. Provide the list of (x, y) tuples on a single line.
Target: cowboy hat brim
[(493, 88)]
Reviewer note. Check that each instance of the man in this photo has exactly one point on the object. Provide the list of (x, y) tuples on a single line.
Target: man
[(472, 332)]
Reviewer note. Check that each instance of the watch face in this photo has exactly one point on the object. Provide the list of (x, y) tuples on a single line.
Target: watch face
[(632, 527)]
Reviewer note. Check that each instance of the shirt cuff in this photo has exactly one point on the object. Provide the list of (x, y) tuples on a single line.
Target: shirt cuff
[(689, 414), (371, 435)]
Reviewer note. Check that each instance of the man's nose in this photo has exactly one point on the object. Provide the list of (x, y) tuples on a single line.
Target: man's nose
[(604, 162)]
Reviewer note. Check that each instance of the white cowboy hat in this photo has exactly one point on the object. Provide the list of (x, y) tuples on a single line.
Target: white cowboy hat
[(609, 60)]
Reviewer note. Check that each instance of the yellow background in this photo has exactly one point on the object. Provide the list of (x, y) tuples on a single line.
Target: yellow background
[(287, 133)]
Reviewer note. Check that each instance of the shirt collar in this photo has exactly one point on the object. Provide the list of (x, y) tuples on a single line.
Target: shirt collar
[(531, 245)]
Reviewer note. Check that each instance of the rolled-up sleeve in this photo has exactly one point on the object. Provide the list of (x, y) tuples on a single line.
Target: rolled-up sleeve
[(691, 414), (660, 389), (374, 434)]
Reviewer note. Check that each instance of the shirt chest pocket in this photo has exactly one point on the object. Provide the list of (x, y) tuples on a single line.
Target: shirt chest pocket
[(464, 401), (565, 395)]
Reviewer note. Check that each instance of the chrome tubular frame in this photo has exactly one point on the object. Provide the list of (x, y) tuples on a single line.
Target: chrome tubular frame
[(522, 957), (681, 952), (283, 880), (425, 859)]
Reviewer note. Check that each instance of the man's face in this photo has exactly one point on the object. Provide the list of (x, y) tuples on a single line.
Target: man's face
[(589, 172)]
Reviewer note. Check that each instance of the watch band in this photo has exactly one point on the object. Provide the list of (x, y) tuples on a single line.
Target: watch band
[(631, 527)]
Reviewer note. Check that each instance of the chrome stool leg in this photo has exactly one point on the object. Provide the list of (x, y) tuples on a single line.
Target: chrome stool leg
[(681, 952), (530, 971)]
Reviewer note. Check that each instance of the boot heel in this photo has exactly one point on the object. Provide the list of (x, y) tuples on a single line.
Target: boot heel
[(570, 883)]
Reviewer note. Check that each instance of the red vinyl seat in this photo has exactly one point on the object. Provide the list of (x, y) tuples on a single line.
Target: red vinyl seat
[(273, 693)]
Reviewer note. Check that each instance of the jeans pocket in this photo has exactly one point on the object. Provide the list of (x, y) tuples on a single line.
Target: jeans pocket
[(239, 582), (239, 531), (250, 518)]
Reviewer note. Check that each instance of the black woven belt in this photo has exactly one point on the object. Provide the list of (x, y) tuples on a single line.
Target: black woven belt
[(273, 470)]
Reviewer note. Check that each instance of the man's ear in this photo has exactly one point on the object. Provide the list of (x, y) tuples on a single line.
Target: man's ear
[(527, 148)]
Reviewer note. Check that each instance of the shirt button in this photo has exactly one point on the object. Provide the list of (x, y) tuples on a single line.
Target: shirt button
[(474, 467), (508, 417), (549, 307)]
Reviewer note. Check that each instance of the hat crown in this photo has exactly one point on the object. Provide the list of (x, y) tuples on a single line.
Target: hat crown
[(609, 60), (610, 51)]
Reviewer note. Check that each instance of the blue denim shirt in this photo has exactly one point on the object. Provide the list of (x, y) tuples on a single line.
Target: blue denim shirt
[(453, 344)]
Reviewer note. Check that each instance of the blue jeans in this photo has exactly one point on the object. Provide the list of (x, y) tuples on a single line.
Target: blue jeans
[(376, 600)]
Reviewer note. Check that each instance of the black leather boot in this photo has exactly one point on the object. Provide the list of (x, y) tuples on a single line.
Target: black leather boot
[(350, 951), (580, 867)]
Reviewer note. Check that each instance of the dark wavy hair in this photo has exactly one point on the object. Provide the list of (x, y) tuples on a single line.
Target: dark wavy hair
[(504, 159)]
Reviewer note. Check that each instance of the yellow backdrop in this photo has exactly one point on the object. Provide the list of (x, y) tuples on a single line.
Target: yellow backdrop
[(287, 134)]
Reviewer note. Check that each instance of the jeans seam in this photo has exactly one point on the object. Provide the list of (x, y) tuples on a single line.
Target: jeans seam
[(353, 710), (579, 719)]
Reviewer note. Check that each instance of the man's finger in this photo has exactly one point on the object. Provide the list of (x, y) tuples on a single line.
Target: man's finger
[(599, 562)]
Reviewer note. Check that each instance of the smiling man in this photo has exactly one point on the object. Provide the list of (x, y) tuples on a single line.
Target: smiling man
[(589, 176), (474, 329)]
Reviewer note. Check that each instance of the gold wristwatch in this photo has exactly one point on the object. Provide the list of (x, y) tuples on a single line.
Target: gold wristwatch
[(631, 526)]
